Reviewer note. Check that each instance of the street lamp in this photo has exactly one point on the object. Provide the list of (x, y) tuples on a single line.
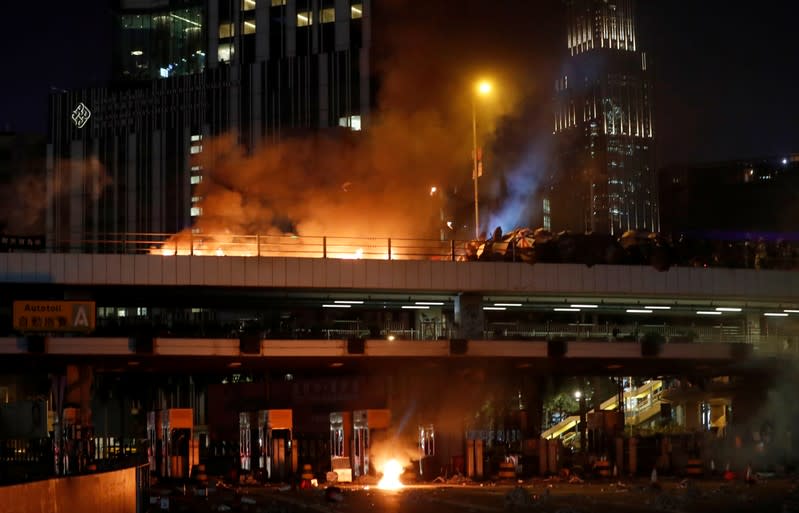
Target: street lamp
[(483, 88)]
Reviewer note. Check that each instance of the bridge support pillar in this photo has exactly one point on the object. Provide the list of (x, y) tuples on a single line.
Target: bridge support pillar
[(532, 387), (73, 415), (692, 415), (78, 393), (469, 317)]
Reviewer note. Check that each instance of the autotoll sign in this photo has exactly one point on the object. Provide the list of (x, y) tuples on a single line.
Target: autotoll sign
[(33, 316)]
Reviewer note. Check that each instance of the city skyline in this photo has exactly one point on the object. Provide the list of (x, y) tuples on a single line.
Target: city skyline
[(727, 96)]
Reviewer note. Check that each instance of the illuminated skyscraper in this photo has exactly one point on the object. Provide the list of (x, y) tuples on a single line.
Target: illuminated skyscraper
[(603, 178), (186, 71)]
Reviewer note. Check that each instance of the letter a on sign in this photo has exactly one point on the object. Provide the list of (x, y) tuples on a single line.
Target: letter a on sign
[(79, 317)]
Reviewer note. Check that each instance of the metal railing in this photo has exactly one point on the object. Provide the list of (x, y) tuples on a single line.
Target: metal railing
[(724, 254), (787, 341), (345, 248)]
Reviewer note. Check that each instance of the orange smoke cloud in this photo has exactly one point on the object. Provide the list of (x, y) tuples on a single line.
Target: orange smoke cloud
[(377, 182), (373, 184), (24, 201)]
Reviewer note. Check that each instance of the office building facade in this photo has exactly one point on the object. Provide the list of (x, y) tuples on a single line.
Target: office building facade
[(185, 71), (603, 177)]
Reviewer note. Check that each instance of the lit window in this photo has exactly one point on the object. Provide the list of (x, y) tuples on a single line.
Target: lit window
[(327, 15), (276, 3), (121, 312), (247, 5), (196, 211), (196, 168), (304, 18), (356, 11), (225, 52), (196, 137), (141, 311), (351, 122), (196, 179), (249, 27), (195, 199), (226, 30), (196, 149)]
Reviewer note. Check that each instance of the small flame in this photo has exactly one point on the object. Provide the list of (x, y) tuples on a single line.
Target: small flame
[(220, 252), (392, 470)]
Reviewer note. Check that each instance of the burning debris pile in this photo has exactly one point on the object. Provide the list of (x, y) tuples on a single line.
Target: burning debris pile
[(540, 245)]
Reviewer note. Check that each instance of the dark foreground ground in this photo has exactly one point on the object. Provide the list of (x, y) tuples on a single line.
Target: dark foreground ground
[(779, 495)]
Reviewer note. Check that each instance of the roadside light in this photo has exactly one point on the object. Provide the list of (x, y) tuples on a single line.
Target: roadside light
[(578, 394)]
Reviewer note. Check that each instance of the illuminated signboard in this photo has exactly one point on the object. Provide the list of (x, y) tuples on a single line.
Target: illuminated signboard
[(43, 316)]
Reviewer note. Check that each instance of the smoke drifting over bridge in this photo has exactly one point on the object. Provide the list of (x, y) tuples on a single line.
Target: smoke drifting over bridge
[(378, 182)]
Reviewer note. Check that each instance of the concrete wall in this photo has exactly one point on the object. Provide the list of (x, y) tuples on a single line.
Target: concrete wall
[(401, 275), (107, 492)]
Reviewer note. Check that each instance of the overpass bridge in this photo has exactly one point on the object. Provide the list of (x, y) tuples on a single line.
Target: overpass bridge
[(336, 298), (436, 333), (404, 309)]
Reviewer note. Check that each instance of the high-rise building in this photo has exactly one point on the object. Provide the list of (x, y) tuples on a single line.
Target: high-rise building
[(188, 70), (603, 177)]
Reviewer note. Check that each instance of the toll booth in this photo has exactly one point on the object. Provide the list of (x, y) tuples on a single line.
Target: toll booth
[(249, 442), (475, 458), (77, 445), (154, 437), (367, 424), (179, 451), (340, 451), (427, 452), (275, 429)]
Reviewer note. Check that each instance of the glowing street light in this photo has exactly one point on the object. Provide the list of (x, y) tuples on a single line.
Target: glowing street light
[(483, 88), (577, 394)]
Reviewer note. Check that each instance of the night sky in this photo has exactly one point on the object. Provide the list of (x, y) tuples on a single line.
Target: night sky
[(725, 74)]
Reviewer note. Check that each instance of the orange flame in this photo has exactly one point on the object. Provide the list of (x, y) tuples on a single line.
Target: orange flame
[(392, 470)]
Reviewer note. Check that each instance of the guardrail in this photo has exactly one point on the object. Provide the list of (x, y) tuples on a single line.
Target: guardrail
[(787, 341), (347, 248), (705, 253), (784, 341)]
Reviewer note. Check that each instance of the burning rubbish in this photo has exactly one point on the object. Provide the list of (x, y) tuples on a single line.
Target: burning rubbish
[(392, 470), (540, 245)]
